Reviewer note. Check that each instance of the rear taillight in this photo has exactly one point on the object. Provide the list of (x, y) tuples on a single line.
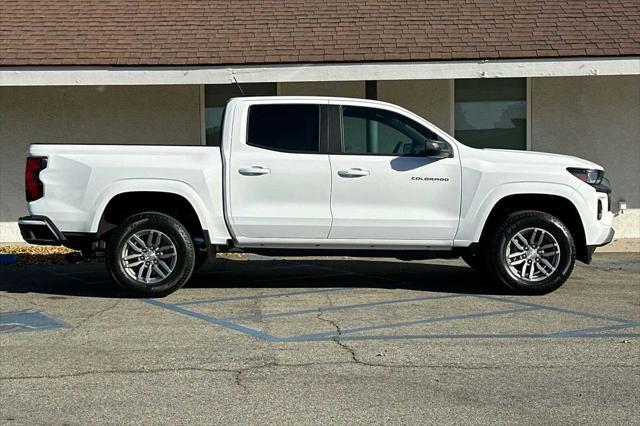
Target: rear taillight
[(33, 187)]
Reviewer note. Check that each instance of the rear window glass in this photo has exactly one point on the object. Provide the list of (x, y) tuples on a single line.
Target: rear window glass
[(292, 128)]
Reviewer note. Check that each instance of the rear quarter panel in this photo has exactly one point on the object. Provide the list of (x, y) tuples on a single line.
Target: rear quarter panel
[(80, 180)]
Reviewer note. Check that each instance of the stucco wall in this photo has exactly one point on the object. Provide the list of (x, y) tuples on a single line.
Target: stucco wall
[(96, 114), (430, 99), (597, 118), (347, 89)]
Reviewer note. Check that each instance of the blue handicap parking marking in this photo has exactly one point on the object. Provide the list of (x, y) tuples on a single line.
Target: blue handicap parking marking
[(29, 320), (617, 327)]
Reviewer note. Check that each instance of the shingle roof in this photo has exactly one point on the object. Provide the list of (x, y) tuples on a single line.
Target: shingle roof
[(154, 32)]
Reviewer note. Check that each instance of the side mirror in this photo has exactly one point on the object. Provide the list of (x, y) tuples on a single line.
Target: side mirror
[(437, 149)]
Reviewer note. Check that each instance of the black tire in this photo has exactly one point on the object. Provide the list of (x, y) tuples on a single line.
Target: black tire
[(517, 279), (166, 229)]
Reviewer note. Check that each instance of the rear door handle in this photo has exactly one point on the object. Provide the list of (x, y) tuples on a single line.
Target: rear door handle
[(349, 173), (254, 171)]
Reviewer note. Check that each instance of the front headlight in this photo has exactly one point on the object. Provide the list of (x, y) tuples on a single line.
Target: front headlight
[(590, 176)]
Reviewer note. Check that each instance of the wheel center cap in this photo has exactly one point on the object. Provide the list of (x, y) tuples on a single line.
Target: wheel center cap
[(531, 254), (149, 256)]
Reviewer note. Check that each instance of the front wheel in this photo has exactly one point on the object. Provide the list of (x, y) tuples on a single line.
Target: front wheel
[(151, 254), (531, 253)]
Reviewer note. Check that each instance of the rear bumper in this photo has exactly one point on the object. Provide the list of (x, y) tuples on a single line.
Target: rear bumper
[(40, 230)]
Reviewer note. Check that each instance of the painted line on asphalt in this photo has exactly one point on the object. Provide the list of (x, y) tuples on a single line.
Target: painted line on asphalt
[(342, 307), (409, 323), (477, 336), (587, 331), (265, 296), (28, 320), (556, 309), (212, 320)]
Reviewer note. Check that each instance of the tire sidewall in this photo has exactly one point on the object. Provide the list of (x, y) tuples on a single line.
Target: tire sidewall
[(543, 221), (173, 230)]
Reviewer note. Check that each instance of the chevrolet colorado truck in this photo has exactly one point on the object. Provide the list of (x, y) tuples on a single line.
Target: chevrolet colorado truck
[(318, 176)]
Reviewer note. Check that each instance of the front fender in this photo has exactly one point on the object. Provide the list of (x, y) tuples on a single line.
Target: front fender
[(474, 217)]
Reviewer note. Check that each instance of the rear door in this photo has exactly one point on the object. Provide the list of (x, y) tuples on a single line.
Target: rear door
[(279, 181), (384, 186)]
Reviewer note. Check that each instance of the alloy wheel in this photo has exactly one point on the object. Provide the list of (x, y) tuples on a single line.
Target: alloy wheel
[(532, 254), (149, 256)]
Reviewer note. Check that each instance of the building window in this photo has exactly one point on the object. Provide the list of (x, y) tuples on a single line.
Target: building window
[(216, 97), (491, 113)]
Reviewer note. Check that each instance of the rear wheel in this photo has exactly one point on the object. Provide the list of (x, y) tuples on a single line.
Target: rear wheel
[(151, 254), (532, 252)]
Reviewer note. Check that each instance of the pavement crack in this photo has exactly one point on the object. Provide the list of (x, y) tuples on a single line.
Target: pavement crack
[(140, 371), (239, 372), (341, 344), (239, 381)]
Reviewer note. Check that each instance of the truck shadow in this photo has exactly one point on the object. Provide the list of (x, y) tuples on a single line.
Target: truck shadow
[(92, 280)]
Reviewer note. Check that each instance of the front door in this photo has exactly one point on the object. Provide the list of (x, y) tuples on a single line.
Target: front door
[(384, 187), (279, 182)]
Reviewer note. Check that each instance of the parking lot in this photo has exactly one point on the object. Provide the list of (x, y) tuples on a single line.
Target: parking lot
[(320, 340)]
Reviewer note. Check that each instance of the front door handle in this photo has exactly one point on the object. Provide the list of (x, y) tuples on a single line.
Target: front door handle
[(350, 173), (254, 171)]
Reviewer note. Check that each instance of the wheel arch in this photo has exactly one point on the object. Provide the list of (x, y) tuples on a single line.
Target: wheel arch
[(125, 204), (154, 190), (559, 206)]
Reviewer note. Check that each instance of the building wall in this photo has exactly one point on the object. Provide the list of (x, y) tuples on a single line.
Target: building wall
[(347, 89), (596, 118), (430, 99), (96, 114)]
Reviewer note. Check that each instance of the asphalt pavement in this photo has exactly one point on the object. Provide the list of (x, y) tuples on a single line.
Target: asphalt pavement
[(320, 340)]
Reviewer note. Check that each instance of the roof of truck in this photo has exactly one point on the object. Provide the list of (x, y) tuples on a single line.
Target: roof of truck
[(194, 32)]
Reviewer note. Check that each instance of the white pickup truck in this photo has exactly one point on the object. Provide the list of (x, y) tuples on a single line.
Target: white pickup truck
[(318, 176)]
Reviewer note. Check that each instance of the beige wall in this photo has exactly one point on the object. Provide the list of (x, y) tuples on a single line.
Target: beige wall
[(430, 99), (347, 89), (103, 114), (597, 118)]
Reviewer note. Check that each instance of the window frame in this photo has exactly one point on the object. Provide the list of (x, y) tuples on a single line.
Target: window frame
[(336, 143), (322, 126), (529, 113)]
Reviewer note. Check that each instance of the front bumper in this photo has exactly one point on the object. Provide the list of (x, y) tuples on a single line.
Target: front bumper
[(592, 248), (40, 230)]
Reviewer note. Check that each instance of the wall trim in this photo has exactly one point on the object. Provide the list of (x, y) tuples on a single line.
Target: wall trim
[(452, 107), (78, 76), (529, 114), (203, 119)]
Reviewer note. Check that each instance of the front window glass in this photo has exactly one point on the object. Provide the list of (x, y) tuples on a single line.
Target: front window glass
[(377, 131), (491, 113), (216, 97), (291, 128)]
